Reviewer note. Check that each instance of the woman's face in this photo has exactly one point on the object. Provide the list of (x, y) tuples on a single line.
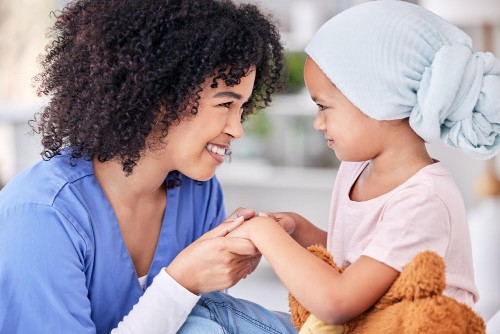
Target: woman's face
[(196, 145), (350, 133)]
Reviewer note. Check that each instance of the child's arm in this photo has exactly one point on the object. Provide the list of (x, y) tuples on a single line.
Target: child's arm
[(300, 229), (334, 298)]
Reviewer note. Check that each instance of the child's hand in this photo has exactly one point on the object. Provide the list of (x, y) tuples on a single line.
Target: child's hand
[(284, 219), (244, 230), (241, 231)]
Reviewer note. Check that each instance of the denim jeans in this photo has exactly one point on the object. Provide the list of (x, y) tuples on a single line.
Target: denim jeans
[(220, 313)]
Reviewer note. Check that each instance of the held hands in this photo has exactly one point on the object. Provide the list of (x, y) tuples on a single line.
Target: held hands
[(284, 219), (214, 262), (243, 231)]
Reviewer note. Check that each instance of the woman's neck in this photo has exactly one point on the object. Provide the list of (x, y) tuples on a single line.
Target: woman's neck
[(144, 183)]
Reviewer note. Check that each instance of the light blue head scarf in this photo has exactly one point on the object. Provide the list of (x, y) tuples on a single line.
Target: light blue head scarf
[(394, 60)]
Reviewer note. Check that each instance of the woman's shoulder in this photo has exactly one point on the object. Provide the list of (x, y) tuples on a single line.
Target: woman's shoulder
[(44, 181), (42, 198)]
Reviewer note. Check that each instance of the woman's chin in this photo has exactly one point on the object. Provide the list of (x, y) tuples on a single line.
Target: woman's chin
[(200, 175)]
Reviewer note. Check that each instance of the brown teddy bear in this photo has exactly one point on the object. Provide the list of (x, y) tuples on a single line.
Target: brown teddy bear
[(414, 304)]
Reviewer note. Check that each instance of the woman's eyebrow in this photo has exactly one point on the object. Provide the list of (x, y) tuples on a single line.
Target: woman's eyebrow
[(229, 94)]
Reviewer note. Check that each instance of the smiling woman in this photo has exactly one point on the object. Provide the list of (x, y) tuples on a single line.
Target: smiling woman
[(217, 123), (145, 98)]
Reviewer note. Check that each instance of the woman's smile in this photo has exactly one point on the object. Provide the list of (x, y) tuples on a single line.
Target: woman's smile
[(217, 152)]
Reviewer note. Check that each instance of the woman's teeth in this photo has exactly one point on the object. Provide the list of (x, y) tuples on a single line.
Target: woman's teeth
[(215, 149)]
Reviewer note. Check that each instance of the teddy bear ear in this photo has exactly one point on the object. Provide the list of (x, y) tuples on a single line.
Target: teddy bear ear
[(423, 277)]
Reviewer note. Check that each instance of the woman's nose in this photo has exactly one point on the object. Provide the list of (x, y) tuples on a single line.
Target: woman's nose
[(234, 127)]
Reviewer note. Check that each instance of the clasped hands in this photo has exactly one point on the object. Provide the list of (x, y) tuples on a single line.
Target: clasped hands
[(224, 255)]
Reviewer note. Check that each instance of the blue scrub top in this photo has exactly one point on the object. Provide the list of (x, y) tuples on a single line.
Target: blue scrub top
[(64, 266)]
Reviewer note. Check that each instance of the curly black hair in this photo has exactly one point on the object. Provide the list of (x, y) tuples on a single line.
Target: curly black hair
[(113, 66)]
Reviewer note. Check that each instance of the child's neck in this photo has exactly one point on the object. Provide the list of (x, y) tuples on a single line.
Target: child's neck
[(388, 171)]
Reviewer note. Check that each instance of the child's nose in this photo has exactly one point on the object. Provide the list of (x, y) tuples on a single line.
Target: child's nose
[(319, 122)]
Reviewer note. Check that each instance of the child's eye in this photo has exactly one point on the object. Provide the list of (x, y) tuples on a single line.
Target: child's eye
[(320, 107)]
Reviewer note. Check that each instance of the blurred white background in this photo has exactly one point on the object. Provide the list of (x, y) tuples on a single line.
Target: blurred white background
[(281, 164)]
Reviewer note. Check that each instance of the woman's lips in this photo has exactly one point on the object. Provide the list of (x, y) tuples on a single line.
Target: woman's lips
[(217, 152)]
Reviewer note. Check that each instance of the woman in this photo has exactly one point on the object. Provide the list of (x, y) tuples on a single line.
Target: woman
[(145, 98)]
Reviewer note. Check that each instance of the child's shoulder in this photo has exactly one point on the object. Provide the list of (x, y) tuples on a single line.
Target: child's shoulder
[(431, 175), (432, 181)]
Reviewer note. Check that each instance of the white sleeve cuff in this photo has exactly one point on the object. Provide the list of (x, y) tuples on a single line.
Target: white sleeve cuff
[(163, 308)]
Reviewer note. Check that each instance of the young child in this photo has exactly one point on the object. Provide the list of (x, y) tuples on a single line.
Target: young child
[(387, 77)]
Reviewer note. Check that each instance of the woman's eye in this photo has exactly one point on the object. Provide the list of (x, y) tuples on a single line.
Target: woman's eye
[(320, 107), (225, 104)]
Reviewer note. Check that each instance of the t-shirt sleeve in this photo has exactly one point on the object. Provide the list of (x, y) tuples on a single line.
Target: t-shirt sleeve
[(42, 280), (415, 221), (162, 309)]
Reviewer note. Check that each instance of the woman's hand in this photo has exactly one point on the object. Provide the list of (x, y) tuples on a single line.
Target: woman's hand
[(214, 262), (242, 212)]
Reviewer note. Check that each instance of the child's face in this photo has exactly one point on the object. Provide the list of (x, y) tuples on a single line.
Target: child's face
[(196, 145), (350, 133)]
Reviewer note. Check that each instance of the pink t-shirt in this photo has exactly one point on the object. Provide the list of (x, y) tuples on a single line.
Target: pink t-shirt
[(424, 213)]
